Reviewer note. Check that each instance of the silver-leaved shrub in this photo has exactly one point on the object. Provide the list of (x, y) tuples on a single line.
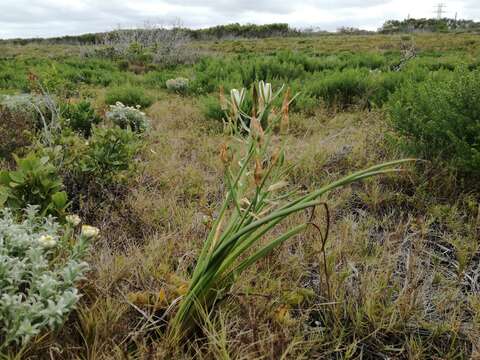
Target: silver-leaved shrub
[(40, 263), (23, 102), (178, 85), (128, 117)]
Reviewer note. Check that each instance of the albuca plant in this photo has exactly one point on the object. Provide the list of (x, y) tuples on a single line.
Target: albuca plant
[(257, 201), (128, 117), (40, 263)]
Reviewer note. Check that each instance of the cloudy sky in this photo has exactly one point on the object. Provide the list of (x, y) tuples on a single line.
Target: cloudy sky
[(33, 18)]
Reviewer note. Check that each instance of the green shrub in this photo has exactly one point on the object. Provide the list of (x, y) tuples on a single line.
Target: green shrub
[(340, 88), (128, 117), (158, 79), (81, 117), (34, 182), (110, 151), (128, 95), (366, 60), (53, 81), (40, 265), (305, 103), (440, 118), (383, 85), (58, 75)]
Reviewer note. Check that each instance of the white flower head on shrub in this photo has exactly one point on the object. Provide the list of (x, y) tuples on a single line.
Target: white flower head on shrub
[(128, 117), (47, 241), (37, 285), (90, 231), (73, 220), (179, 85)]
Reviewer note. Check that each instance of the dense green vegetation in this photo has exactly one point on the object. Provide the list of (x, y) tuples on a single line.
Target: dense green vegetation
[(229, 224), (439, 118)]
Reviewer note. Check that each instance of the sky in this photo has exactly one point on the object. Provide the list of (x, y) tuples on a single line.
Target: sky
[(46, 18)]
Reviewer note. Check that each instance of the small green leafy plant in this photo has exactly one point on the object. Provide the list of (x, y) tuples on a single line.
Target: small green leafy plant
[(81, 117), (257, 201), (34, 182), (110, 152)]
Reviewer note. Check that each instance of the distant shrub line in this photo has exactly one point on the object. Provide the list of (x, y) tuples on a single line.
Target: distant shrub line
[(234, 30)]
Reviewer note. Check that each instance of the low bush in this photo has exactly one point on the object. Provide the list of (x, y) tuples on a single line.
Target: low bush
[(158, 79), (178, 85), (34, 182), (128, 95), (439, 119), (110, 152), (58, 75), (340, 88), (128, 117), (40, 264), (81, 117)]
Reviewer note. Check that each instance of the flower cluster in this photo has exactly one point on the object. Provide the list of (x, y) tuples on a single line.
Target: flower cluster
[(39, 266), (128, 117)]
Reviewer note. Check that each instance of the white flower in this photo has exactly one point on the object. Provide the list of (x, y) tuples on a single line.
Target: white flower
[(47, 241), (73, 220), (265, 90), (90, 231), (237, 97)]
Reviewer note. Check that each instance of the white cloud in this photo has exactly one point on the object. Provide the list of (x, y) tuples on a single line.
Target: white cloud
[(32, 18)]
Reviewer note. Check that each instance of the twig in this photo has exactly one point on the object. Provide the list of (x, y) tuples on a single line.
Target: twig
[(324, 238)]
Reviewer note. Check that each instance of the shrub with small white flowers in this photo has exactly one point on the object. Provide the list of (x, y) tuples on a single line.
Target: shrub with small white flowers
[(128, 116), (40, 263), (178, 85)]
